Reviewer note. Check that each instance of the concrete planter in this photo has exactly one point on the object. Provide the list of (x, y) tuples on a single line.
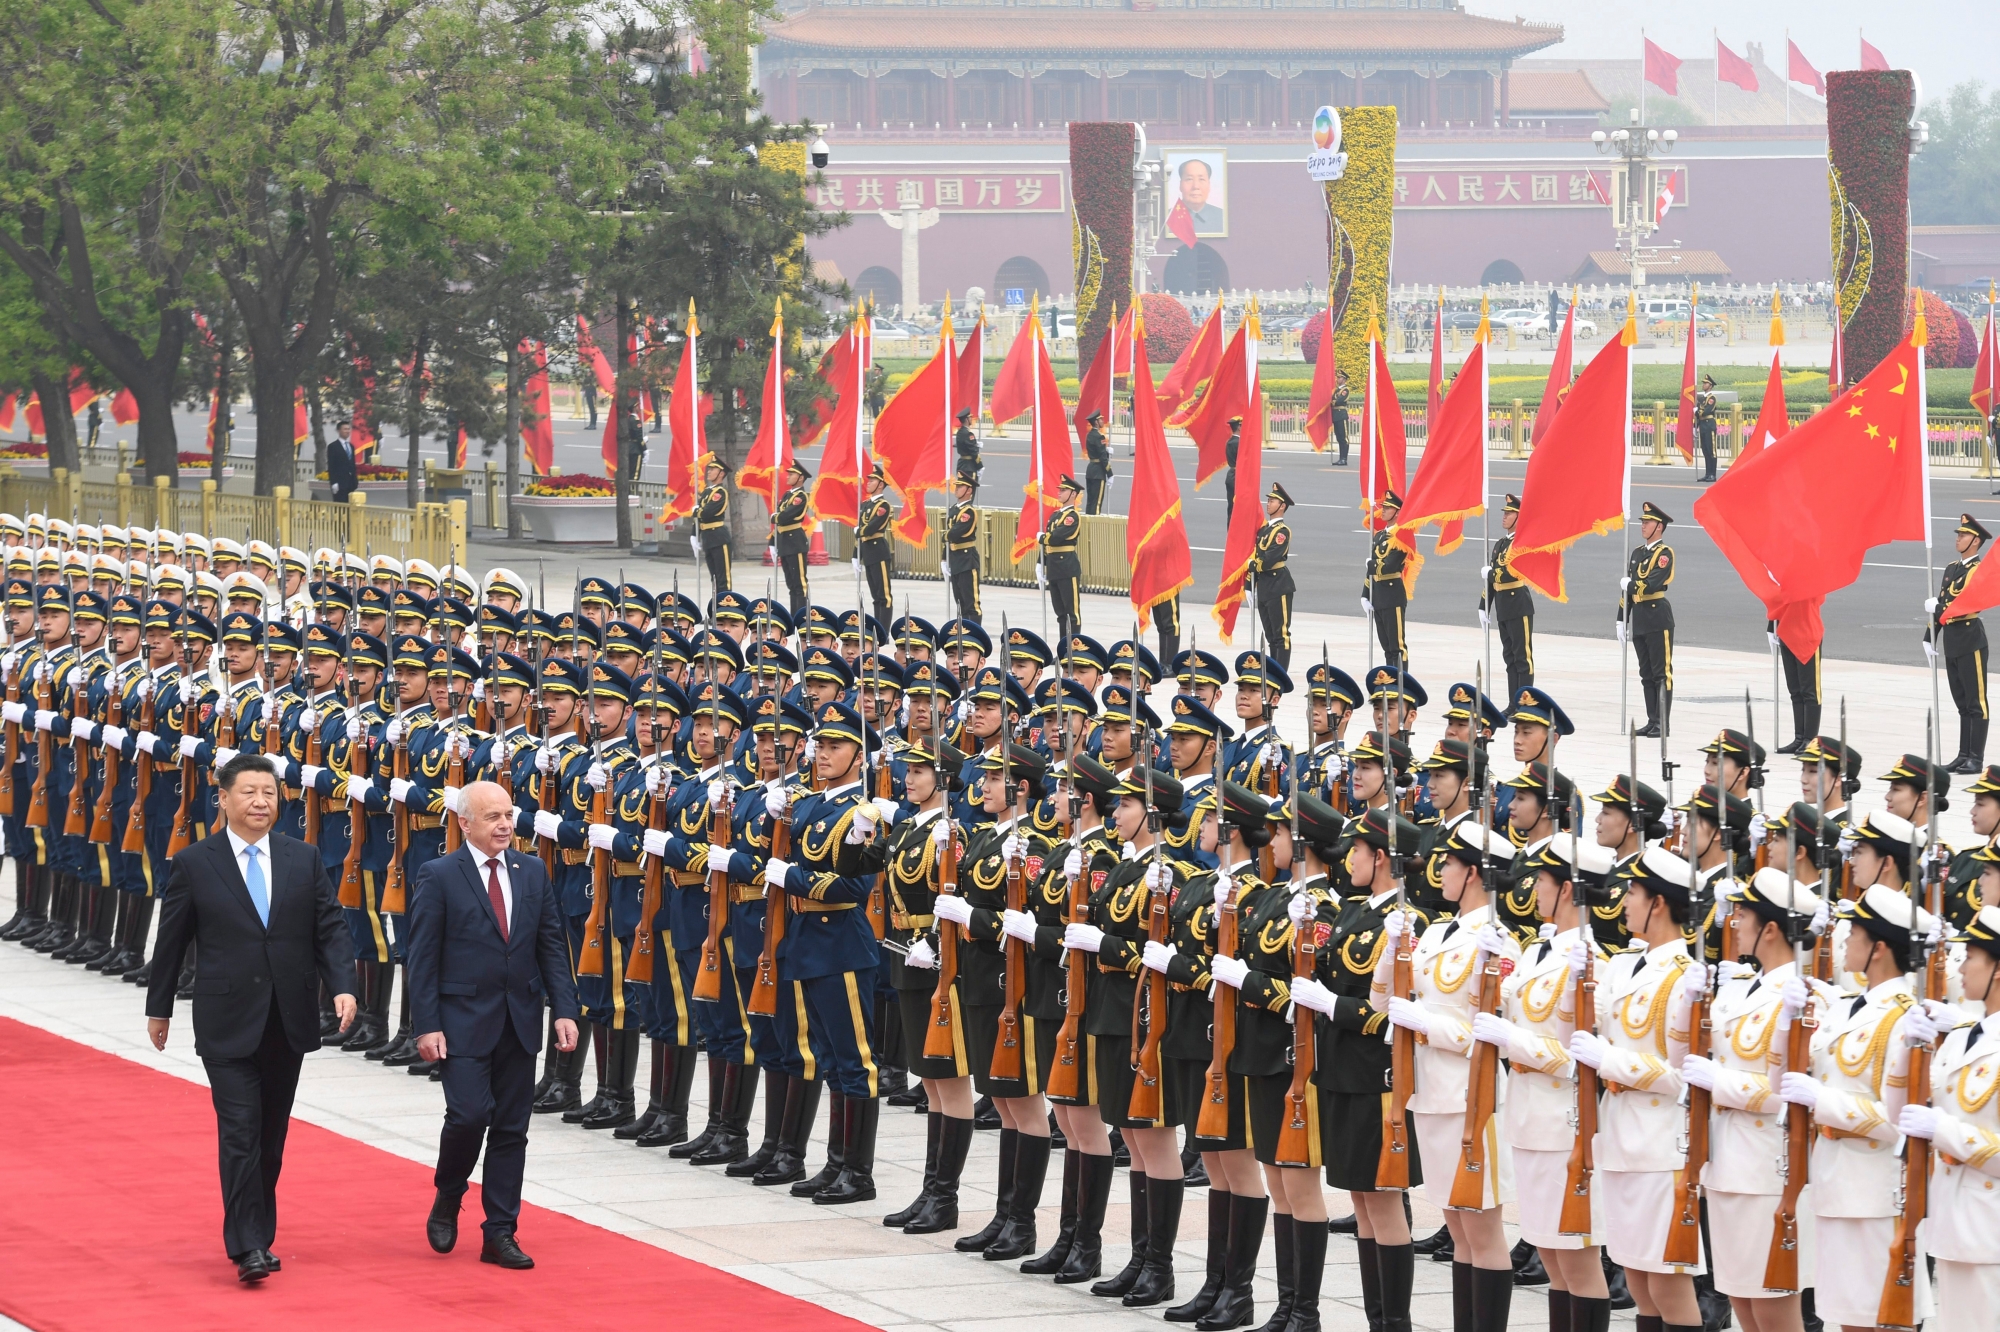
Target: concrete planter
[(395, 494), (574, 519)]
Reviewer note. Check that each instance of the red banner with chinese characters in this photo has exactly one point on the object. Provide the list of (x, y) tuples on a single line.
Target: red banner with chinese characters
[(1517, 187), (1035, 190)]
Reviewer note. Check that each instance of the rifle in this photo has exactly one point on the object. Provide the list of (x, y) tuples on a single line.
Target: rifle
[(183, 833), (591, 961), (1483, 1084), (639, 969), (1214, 1118), (708, 979), (1684, 1235), (134, 840), (38, 794), (114, 715), (13, 755), (1295, 1139), (395, 886), (357, 771), (938, 1041), (76, 819), (1151, 1003), (1065, 1079), (1575, 1219), (454, 745), (548, 789), (1014, 987), (1392, 1166), (1899, 1286), (885, 789), (1781, 1263)]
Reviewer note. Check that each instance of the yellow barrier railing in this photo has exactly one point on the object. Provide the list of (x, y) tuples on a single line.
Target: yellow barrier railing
[(1101, 551)]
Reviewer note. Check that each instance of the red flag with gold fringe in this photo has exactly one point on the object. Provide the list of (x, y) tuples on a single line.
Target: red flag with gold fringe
[(1240, 547), (1156, 543), (1385, 447), (1051, 455), (1450, 484), (763, 470), (538, 427), (687, 439)]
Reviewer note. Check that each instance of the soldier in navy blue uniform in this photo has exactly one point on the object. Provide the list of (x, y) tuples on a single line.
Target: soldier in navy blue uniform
[(1261, 682), (126, 871), (658, 704), (1195, 739), (1332, 695), (614, 770), (560, 765)]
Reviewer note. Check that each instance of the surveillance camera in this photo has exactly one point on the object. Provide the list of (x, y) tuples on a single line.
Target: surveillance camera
[(821, 154)]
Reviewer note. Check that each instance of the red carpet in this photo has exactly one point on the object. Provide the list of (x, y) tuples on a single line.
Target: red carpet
[(111, 1217)]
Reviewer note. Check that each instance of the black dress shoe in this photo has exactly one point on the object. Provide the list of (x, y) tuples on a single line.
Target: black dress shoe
[(503, 1251), (1529, 1271), (1344, 1225), (252, 1266), (441, 1227), (271, 1261)]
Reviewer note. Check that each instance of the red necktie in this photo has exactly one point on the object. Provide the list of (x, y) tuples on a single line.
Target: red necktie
[(499, 898)]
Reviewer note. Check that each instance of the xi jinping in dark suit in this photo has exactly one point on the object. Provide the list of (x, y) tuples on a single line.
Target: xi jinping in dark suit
[(487, 948), (267, 930)]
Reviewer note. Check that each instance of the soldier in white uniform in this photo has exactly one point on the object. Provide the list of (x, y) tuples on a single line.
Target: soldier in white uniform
[(1643, 1003), (1445, 967), (1963, 1124), (1745, 1178), (1860, 1080)]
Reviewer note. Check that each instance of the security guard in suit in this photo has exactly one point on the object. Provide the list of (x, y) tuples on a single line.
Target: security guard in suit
[(1962, 638), (877, 543), (789, 536), (1646, 617), (1097, 476), (961, 540), (1510, 603), (711, 516), (1383, 592), (1274, 581), (1063, 568)]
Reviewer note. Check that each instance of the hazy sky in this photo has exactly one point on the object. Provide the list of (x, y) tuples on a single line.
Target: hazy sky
[(1928, 36)]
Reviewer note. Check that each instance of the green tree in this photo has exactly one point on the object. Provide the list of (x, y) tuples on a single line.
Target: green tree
[(1955, 180)]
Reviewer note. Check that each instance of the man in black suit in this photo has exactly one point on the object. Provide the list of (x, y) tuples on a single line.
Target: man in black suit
[(487, 947), (340, 475), (267, 930)]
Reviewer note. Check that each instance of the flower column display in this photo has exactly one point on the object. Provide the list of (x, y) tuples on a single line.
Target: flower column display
[(1101, 199), (1868, 173), (1360, 209)]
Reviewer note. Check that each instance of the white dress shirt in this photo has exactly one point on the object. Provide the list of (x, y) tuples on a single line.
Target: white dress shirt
[(263, 845), (480, 860)]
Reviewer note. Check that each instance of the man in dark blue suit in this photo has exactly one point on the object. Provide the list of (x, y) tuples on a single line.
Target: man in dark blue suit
[(486, 950)]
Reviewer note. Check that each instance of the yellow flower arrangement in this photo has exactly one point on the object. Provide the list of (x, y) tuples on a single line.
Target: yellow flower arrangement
[(1362, 204)]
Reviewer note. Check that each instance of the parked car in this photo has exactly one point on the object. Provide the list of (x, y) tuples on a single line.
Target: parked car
[(1521, 319), (888, 330)]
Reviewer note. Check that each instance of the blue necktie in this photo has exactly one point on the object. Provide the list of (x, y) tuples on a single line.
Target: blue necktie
[(253, 879)]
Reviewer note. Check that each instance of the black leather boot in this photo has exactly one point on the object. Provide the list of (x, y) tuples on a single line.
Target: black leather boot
[(1309, 1258), (933, 1136), (1017, 1233), (775, 1091), (1234, 1306), (1093, 1195), (1397, 1264), (1010, 1146), (600, 1056), (718, 1074), (1615, 1285), (1587, 1315), (141, 931), (1371, 1282), (402, 1046), (672, 1125), (184, 983), (739, 1096), (656, 1083), (1344, 1225), (856, 1181), (107, 930), (622, 1060), (1283, 1231), (836, 1149), (367, 1026), (61, 928), (1218, 1248), (937, 1211), (788, 1163), (1051, 1260), (1433, 1244), (566, 1092), (1559, 1310), (1128, 1276), (1492, 1299), (1528, 1268), (13, 922), (120, 938), (984, 1116), (84, 931), (1163, 1225), (551, 1059), (31, 900)]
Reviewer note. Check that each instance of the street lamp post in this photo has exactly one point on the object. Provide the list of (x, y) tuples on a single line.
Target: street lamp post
[(1635, 187)]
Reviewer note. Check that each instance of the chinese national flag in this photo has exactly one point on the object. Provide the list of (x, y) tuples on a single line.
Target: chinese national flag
[(1872, 58), (1733, 68), (1797, 518), (302, 424), (1094, 393), (1662, 70), (1014, 386), (1772, 422), (1181, 223), (1240, 547), (1800, 69), (7, 412), (1192, 368), (124, 408), (1579, 476), (1986, 372), (968, 387), (687, 441), (1684, 426), (1227, 395), (1385, 448), (836, 492), (538, 427), (913, 437), (1326, 378), (1557, 386), (1051, 455), (1156, 544), (763, 471), (1450, 485), (1434, 396)]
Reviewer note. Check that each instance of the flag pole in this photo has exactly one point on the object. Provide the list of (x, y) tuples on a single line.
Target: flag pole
[(1485, 498), (1930, 574), (694, 417), (863, 352), (1625, 648), (1036, 428), (1368, 431)]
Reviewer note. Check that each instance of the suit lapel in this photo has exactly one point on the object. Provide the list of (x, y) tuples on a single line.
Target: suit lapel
[(232, 875), (469, 863), (525, 907)]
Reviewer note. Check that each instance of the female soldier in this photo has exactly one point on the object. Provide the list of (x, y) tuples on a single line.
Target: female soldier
[(1010, 786), (1538, 1007), (1445, 963), (912, 879)]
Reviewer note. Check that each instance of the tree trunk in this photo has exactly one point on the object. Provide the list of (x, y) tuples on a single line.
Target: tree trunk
[(622, 392), (515, 370), (158, 442), (277, 445), (219, 432), (413, 422), (317, 409), (58, 426)]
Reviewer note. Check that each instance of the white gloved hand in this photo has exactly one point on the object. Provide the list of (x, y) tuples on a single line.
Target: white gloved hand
[(1918, 1028), (1930, 605), (1792, 999), (114, 736), (479, 691), (356, 731), (1930, 653), (1773, 639), (1822, 919), (148, 742), (1492, 1029), (41, 671), (1018, 925), (941, 832), (952, 907), (309, 718), (1700, 1071), (694, 544), (775, 871), (921, 956), (452, 796), (1409, 1015), (1014, 848), (1041, 576), (190, 746), (1945, 1015), (1694, 981), (1272, 755), (145, 689), (718, 793), (1918, 1121), (14, 712), (1624, 585), (547, 824), (392, 730), (1759, 829), (596, 775), (1158, 877), (1367, 606), (1395, 925), (1083, 938), (777, 798), (600, 836), (1485, 621), (887, 811), (811, 750), (545, 760), (856, 562), (1727, 971), (45, 719), (654, 840), (1301, 909), (862, 827), (1309, 993), (400, 788), (656, 780), (1670, 818), (85, 731), (1073, 863), (718, 858), (1579, 956), (309, 775), (1494, 941), (1228, 971), (1157, 956), (1799, 1089), (1587, 1047), (223, 757), (1619, 625)]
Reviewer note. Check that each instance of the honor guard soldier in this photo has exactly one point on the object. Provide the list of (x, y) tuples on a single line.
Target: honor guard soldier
[(1802, 683), (1229, 451), (711, 516), (1096, 476), (1342, 392), (1274, 580), (1259, 755), (877, 543), (1384, 593), (1332, 695), (615, 770), (1509, 604), (1962, 639), (965, 445), (1647, 618), (1063, 568), (1704, 425), (962, 544)]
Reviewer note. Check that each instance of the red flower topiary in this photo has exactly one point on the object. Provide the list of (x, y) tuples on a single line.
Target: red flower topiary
[(1100, 183), (1169, 326), (1868, 148)]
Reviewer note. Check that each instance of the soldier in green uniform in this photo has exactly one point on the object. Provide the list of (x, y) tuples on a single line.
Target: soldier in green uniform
[(877, 544), (1384, 595), (790, 539), (1096, 476), (961, 538), (1647, 618), (711, 516), (1962, 899), (1962, 639), (1510, 603), (1273, 579), (1062, 569), (1704, 425), (965, 446)]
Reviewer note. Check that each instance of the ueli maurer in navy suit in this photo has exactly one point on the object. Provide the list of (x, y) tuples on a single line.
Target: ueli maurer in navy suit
[(486, 951)]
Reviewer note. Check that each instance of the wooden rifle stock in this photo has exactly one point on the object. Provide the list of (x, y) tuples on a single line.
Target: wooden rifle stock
[(548, 796), (1575, 1219), (1065, 1079), (1392, 1167), (878, 896), (454, 777), (183, 834), (639, 969), (938, 1041), (134, 842), (1007, 1043), (1213, 1121), (38, 795), (1684, 1234), (13, 755), (1145, 1103), (1295, 1134), (1899, 1286), (114, 715), (708, 978), (1781, 1264), (764, 991), (591, 961), (1468, 1186), (395, 887), (357, 826), (76, 818), (309, 794)]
